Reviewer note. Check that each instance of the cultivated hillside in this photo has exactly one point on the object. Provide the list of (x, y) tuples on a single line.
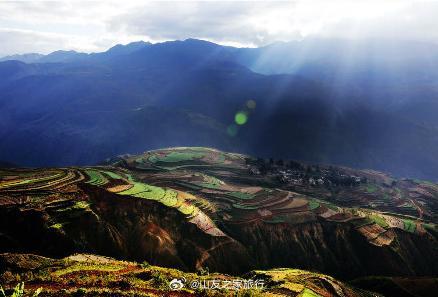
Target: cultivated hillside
[(199, 208), (91, 275)]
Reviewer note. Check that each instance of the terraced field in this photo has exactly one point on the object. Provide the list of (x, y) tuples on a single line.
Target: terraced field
[(234, 203), (179, 158), (123, 185), (237, 203), (27, 180), (90, 275), (196, 207), (240, 204)]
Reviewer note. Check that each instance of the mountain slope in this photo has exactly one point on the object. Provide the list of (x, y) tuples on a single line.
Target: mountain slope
[(91, 275), (191, 208), (87, 101), (26, 58)]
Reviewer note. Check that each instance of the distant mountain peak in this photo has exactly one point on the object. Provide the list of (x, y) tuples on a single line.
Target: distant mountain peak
[(128, 48), (195, 40), (61, 56), (63, 52), (25, 58)]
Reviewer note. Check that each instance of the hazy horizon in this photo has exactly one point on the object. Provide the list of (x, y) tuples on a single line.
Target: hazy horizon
[(44, 27), (341, 39)]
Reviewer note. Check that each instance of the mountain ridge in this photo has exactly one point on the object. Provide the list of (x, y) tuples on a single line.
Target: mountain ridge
[(301, 116)]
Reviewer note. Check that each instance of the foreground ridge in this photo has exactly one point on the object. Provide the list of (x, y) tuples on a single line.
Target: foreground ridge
[(92, 275)]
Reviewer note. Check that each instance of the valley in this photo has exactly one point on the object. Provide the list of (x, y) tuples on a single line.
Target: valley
[(76, 109)]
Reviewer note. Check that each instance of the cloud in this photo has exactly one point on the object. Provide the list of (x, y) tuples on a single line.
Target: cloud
[(20, 41), (224, 22), (261, 23), (37, 26)]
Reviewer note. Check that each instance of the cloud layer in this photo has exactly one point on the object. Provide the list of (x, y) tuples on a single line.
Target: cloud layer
[(38, 26)]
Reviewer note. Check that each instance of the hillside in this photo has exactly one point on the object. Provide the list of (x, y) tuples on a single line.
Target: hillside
[(72, 108), (90, 275), (198, 208)]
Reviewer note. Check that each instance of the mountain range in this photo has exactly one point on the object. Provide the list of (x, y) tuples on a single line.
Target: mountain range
[(361, 104)]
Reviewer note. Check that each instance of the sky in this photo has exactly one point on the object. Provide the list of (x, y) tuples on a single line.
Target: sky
[(43, 27)]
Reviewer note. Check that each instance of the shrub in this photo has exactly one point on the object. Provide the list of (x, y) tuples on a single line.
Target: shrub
[(160, 281), (249, 293), (145, 264), (80, 292), (203, 271), (18, 291)]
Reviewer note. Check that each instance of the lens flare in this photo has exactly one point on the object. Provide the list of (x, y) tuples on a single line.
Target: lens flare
[(232, 130), (241, 118), (251, 104)]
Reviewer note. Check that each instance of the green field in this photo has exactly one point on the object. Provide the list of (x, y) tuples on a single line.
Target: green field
[(308, 293), (96, 178), (241, 195), (112, 175), (144, 191), (313, 204), (372, 188), (32, 180), (409, 225), (175, 157), (379, 220), (239, 206)]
